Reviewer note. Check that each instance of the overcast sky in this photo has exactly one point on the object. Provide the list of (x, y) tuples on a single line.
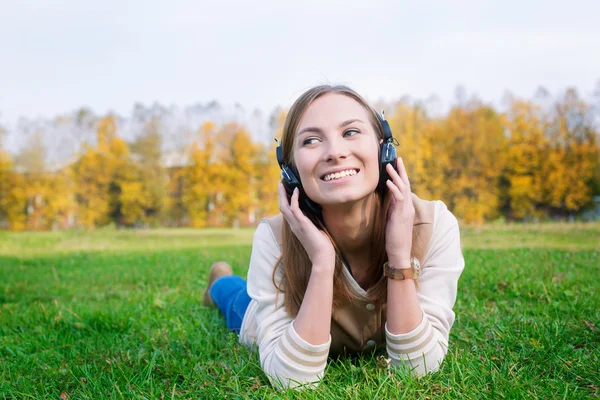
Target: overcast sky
[(57, 56)]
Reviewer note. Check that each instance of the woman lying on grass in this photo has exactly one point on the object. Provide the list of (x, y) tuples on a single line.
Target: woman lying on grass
[(337, 272)]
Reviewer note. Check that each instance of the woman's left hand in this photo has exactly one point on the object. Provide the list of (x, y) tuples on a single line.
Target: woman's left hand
[(400, 216)]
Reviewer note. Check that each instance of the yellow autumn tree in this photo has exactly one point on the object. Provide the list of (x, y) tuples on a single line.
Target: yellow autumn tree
[(236, 198), (5, 172), (13, 197), (198, 178), (573, 155), (412, 128), (527, 156), (147, 151), (467, 158), (129, 197), (268, 175), (132, 198), (268, 172), (174, 213), (48, 191), (105, 180), (59, 203), (38, 190), (92, 179)]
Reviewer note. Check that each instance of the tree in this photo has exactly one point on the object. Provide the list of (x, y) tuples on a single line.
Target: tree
[(101, 174), (92, 180), (59, 202), (411, 127), (573, 155), (198, 178), (147, 150), (268, 175), (237, 197), (31, 161), (526, 158), (12, 191), (465, 160)]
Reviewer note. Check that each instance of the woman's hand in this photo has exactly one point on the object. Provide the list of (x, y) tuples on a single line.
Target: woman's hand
[(317, 244), (400, 216)]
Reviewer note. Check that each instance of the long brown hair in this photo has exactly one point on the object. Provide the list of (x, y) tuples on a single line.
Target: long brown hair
[(294, 260)]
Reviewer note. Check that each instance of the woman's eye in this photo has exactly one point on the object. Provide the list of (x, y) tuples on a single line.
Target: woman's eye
[(309, 141), (351, 132)]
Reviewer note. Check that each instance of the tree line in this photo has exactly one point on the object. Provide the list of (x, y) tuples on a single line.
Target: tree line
[(536, 159)]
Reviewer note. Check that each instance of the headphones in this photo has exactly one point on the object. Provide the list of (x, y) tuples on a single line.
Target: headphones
[(291, 181)]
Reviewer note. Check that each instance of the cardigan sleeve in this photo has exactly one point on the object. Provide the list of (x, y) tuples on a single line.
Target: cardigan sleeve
[(424, 348), (285, 357)]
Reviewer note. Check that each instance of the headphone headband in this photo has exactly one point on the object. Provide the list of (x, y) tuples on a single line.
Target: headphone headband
[(387, 131), (279, 153)]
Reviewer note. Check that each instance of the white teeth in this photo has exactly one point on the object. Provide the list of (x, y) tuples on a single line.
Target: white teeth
[(338, 175)]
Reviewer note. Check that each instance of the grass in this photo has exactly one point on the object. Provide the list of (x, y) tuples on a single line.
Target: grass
[(117, 314)]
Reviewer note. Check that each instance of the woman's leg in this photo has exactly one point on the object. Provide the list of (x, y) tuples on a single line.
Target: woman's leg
[(217, 270), (231, 298)]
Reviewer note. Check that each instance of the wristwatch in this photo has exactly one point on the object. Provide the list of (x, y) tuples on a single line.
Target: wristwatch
[(405, 273)]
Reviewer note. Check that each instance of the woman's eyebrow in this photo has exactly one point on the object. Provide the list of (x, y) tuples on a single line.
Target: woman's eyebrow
[(309, 129), (319, 130), (350, 121)]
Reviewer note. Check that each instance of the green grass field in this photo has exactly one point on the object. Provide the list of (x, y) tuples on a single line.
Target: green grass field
[(118, 314)]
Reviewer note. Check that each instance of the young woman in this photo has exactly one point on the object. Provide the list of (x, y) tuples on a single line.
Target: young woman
[(381, 271)]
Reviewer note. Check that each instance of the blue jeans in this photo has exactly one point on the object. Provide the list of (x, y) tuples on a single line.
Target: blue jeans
[(231, 297)]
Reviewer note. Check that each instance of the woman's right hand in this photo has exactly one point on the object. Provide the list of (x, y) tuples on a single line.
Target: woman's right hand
[(317, 244)]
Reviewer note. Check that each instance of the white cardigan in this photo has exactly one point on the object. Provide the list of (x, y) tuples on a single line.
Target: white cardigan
[(288, 360)]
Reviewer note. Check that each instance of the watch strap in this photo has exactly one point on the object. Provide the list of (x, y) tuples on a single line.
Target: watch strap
[(397, 273), (413, 272)]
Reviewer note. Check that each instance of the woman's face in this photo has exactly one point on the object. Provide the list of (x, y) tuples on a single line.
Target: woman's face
[(336, 151)]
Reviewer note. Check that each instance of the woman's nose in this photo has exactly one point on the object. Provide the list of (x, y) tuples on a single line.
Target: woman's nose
[(336, 150)]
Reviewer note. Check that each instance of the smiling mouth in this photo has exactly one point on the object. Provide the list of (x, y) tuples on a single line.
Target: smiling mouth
[(339, 175)]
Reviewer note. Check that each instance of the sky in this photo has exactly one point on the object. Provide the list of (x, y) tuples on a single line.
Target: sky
[(57, 56)]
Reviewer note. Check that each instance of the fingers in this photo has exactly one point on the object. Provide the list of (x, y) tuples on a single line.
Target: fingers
[(395, 178), (398, 174), (394, 190), (290, 209), (284, 205), (398, 184), (295, 205), (283, 202), (402, 171)]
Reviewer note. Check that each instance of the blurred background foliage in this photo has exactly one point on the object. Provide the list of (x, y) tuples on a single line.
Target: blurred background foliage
[(535, 159)]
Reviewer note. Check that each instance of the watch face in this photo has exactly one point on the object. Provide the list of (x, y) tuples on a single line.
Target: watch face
[(416, 267)]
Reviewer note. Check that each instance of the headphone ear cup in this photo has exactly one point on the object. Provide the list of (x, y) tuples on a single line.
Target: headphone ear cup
[(388, 156), (290, 182)]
